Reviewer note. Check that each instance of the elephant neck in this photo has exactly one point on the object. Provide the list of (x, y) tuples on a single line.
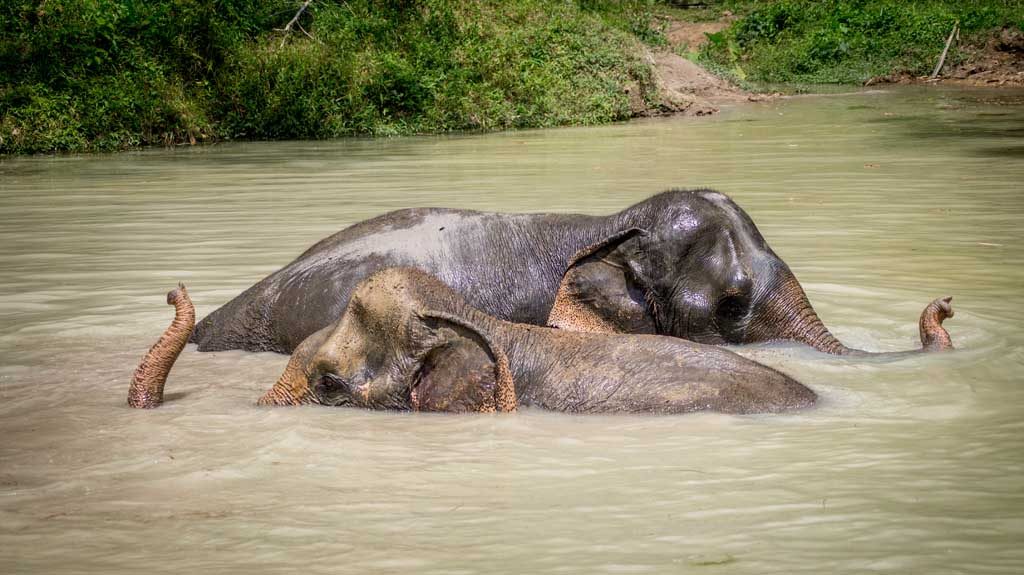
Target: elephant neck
[(562, 237), (548, 242), (637, 216), (522, 345)]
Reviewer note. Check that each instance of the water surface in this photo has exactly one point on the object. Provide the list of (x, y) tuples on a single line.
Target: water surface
[(879, 201)]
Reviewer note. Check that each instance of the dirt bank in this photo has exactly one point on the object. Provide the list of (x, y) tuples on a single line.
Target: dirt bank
[(682, 86), (995, 61)]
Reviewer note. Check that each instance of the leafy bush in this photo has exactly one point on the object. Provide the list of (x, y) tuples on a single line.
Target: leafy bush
[(846, 41), (110, 74)]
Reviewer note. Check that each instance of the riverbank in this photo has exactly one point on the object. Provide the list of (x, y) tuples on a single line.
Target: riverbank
[(868, 42), (84, 76), (95, 76), (996, 62)]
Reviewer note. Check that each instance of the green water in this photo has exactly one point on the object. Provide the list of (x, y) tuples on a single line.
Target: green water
[(879, 201)]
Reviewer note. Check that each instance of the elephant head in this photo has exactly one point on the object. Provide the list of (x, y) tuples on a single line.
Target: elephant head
[(700, 270), (390, 351)]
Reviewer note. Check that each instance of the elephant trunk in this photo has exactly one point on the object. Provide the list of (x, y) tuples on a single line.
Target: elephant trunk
[(292, 388), (787, 314), (934, 337), (147, 389)]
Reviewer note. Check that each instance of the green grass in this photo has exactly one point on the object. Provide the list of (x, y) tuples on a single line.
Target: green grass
[(95, 75), (835, 41)]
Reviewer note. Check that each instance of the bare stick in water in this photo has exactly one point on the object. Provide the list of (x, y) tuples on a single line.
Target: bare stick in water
[(147, 390), (942, 59)]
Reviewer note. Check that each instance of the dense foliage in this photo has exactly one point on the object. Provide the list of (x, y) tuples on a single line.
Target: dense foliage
[(78, 75), (111, 74), (848, 41)]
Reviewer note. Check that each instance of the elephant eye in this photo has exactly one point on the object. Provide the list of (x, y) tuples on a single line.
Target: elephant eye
[(331, 384)]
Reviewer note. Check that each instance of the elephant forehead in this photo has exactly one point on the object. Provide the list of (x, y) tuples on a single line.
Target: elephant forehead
[(340, 349), (350, 337), (717, 198), (734, 218), (385, 297)]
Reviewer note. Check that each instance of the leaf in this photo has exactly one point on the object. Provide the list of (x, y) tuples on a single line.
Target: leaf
[(716, 38)]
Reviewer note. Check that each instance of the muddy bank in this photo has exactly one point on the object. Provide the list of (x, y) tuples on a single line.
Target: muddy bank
[(682, 86), (995, 61)]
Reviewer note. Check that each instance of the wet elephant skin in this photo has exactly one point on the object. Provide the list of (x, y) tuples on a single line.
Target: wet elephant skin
[(686, 263), (407, 341)]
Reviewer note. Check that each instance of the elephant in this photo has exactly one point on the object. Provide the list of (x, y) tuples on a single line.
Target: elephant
[(407, 341), (684, 263)]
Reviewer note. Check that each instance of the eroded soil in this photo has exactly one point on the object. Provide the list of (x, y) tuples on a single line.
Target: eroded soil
[(996, 61), (682, 86)]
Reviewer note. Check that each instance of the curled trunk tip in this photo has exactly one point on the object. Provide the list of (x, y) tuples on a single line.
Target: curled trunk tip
[(147, 388), (934, 337), (177, 293)]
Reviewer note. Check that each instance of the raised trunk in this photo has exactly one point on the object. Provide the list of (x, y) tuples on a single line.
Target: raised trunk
[(934, 337), (147, 389)]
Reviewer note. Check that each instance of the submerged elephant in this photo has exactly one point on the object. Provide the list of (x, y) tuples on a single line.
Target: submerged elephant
[(686, 263), (408, 341)]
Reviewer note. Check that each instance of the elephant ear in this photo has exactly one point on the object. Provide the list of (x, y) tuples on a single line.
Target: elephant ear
[(461, 370), (599, 291)]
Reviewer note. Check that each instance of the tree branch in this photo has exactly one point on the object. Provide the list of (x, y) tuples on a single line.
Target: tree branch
[(942, 59), (295, 19)]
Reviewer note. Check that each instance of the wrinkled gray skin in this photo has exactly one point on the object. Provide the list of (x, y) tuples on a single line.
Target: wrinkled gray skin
[(405, 331), (686, 263)]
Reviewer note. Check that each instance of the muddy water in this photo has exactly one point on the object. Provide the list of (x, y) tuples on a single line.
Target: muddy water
[(879, 201)]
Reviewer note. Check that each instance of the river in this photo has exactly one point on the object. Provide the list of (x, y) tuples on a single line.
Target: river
[(879, 201)]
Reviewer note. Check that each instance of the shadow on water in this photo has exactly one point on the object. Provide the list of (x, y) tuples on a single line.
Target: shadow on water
[(968, 119), (1002, 152), (947, 126)]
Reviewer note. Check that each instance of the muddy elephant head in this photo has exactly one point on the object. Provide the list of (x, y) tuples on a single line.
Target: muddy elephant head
[(699, 270), (389, 351)]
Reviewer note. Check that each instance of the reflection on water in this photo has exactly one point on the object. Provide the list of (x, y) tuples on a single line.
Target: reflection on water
[(880, 202)]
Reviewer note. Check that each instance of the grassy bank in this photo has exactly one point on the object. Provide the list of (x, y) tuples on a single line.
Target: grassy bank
[(96, 75), (92, 75), (837, 41)]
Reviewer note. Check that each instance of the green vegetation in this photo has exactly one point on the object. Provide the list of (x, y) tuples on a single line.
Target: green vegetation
[(847, 41), (87, 75), (93, 75)]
